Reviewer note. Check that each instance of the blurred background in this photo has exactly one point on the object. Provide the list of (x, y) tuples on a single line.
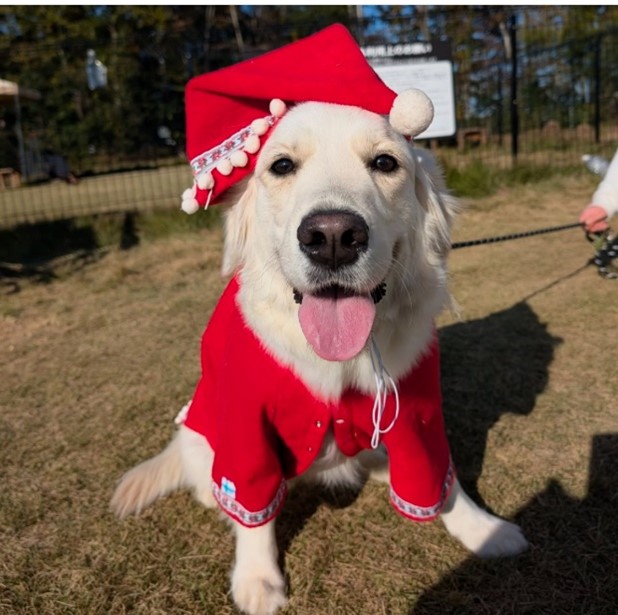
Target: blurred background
[(92, 97)]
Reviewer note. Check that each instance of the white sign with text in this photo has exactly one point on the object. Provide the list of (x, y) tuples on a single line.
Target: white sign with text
[(426, 66)]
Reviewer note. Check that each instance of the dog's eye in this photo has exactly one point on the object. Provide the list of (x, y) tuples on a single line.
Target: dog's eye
[(384, 163), (283, 166)]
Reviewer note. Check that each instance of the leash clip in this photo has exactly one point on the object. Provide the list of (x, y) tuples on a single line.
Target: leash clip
[(606, 251)]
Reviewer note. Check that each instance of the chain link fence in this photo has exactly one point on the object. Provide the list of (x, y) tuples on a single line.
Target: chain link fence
[(98, 124)]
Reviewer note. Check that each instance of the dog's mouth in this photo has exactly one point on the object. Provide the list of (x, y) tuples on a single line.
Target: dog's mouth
[(337, 321)]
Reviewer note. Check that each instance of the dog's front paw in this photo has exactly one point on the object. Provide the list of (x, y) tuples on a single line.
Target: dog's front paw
[(258, 592), (484, 534), (490, 536)]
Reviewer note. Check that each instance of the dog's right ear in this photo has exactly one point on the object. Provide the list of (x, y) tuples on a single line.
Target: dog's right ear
[(440, 205), (238, 223)]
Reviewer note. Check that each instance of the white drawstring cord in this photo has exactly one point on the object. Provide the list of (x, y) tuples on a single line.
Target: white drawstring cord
[(208, 200), (379, 404)]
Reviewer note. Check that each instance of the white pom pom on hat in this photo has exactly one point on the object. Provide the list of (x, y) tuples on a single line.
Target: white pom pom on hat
[(411, 113)]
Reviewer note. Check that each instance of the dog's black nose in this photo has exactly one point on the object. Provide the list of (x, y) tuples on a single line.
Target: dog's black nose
[(333, 238)]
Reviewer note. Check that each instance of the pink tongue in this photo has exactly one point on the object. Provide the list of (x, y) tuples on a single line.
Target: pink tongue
[(337, 329)]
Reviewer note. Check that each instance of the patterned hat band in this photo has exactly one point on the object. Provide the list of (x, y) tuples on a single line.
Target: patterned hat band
[(230, 154), (410, 114)]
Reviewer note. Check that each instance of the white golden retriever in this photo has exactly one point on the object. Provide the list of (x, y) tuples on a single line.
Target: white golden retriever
[(339, 205)]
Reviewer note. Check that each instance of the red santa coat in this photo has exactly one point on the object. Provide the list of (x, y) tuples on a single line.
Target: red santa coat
[(265, 426)]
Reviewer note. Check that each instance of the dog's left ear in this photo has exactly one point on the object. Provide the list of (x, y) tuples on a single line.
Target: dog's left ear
[(238, 223), (432, 194)]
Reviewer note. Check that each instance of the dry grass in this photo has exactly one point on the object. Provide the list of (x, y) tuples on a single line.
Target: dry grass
[(96, 363)]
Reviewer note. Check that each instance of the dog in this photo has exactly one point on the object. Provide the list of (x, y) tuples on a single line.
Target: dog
[(338, 243)]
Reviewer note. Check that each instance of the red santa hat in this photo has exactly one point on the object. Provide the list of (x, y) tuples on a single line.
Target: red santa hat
[(232, 111)]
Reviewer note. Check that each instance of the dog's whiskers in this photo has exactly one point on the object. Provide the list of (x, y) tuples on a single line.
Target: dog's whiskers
[(402, 274), (269, 265)]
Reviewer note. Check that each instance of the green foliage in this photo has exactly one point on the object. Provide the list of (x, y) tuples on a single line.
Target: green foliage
[(478, 180), (474, 180), (533, 174), (44, 47), (166, 223), (152, 51)]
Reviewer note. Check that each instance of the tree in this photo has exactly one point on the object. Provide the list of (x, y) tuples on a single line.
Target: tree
[(152, 51), (45, 48)]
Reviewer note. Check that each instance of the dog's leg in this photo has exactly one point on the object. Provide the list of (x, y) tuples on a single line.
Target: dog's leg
[(482, 533), (258, 587), (197, 459), (375, 462)]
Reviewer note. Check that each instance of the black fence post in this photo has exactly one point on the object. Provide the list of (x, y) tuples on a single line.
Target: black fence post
[(597, 88), (514, 107), (499, 110)]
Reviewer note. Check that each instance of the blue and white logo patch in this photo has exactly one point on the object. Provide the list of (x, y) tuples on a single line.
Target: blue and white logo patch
[(228, 488)]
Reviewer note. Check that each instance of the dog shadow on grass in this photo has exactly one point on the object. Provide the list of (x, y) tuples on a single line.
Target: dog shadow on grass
[(489, 367), (302, 504), (572, 563), (496, 365)]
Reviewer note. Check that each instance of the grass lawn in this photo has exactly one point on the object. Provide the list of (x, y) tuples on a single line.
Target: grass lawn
[(97, 360), (115, 192)]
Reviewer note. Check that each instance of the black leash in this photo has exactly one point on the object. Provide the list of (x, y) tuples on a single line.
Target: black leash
[(478, 242), (605, 245)]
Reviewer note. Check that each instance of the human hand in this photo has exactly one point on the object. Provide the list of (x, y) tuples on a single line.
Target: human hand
[(594, 219)]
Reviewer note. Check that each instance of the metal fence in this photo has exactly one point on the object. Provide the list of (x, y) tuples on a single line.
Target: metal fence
[(546, 104), (529, 91)]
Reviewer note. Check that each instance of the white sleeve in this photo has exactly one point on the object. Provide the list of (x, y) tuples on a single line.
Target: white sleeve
[(606, 195)]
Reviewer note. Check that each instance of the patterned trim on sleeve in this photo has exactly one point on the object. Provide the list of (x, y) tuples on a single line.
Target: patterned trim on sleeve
[(248, 518), (424, 513)]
